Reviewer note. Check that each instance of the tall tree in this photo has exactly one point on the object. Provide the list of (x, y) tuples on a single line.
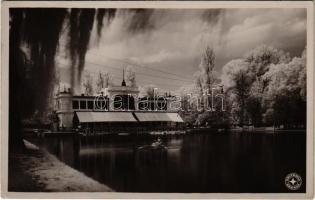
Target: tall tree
[(285, 96), (237, 81), (259, 61), (88, 84), (103, 81), (31, 76), (242, 85), (100, 83), (31, 73), (204, 77), (206, 66), (131, 76), (81, 24)]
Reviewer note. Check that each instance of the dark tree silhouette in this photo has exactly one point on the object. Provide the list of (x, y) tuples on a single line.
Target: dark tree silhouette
[(81, 24), (31, 76)]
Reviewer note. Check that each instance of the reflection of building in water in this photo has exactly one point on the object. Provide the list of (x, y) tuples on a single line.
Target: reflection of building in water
[(117, 108)]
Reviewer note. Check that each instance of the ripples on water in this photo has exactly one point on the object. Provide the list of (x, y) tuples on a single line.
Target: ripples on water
[(215, 162)]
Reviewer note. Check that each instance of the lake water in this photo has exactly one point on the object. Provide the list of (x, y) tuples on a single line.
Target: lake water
[(201, 162)]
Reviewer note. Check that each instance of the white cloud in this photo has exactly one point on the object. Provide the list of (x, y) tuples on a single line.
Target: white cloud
[(177, 38)]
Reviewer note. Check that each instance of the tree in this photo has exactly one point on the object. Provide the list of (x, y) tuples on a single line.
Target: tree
[(285, 96), (254, 103), (206, 67), (103, 81), (230, 69), (259, 61), (148, 91), (205, 76), (131, 76), (251, 70), (31, 76), (100, 84), (242, 85), (88, 85), (189, 100), (260, 58), (198, 82), (237, 81)]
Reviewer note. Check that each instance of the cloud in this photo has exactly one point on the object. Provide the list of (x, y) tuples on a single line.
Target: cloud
[(173, 40), (157, 57), (275, 27)]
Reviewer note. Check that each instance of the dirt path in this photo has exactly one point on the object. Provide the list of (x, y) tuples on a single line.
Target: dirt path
[(37, 170)]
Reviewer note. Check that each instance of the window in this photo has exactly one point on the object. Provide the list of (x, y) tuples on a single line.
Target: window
[(90, 104), (75, 104), (82, 104)]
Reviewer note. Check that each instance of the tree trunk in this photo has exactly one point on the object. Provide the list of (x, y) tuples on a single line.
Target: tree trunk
[(15, 83)]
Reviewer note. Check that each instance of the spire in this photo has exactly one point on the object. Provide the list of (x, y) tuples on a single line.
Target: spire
[(123, 82)]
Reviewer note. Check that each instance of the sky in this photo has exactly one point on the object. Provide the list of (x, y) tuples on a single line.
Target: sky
[(165, 46)]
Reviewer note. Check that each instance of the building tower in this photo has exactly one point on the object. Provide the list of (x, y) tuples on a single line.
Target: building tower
[(123, 83), (64, 109), (128, 94)]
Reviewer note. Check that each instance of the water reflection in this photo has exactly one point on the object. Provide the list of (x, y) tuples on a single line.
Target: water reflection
[(216, 162)]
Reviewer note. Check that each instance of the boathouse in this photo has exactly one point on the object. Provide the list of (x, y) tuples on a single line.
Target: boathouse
[(119, 108)]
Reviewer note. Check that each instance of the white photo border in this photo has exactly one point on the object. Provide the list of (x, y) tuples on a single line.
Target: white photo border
[(4, 103)]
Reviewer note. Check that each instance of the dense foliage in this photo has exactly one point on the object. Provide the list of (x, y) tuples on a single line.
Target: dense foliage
[(266, 87)]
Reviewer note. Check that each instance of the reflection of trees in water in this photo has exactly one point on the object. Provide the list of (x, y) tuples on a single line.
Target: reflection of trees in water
[(205, 162), (150, 156)]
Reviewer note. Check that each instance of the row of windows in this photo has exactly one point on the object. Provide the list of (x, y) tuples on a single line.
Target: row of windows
[(89, 104), (124, 104)]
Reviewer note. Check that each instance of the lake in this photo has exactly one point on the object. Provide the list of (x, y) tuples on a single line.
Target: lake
[(199, 163)]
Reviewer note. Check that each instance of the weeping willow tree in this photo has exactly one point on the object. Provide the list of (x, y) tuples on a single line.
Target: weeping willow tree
[(31, 72)]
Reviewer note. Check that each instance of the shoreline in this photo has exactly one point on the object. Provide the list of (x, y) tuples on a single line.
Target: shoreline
[(36, 170), (171, 132)]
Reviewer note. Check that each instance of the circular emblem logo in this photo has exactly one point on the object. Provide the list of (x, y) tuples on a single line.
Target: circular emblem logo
[(293, 181)]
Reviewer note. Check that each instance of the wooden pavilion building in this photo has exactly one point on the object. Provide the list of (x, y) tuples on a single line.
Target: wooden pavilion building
[(118, 110)]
